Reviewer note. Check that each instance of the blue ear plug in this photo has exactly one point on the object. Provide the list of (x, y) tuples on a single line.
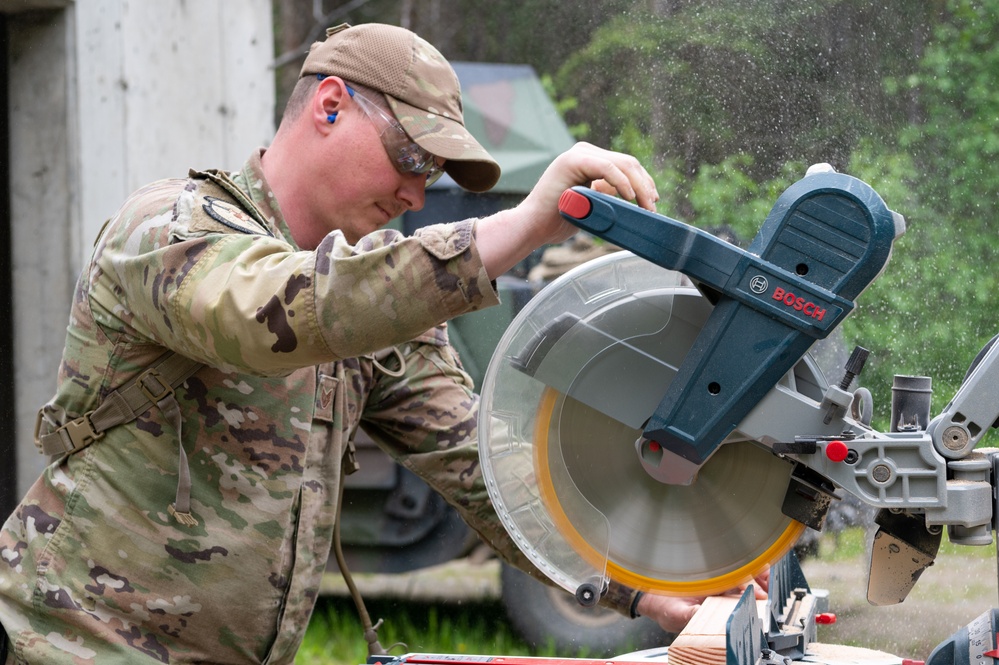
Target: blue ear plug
[(331, 118)]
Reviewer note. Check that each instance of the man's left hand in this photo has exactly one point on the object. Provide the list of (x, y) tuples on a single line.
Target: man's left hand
[(673, 613)]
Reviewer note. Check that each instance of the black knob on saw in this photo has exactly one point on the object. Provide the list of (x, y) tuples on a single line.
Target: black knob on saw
[(854, 366)]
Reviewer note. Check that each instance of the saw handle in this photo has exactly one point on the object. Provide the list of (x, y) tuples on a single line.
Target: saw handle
[(657, 238), (826, 238)]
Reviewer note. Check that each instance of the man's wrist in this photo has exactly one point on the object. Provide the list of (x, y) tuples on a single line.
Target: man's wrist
[(633, 611)]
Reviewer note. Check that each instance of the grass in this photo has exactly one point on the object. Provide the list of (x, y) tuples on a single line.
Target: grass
[(852, 543), (957, 588), (335, 637)]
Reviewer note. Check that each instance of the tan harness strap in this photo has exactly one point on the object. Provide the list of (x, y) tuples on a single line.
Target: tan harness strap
[(124, 405), (154, 387)]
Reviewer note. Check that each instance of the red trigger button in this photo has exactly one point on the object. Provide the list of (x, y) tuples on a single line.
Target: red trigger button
[(574, 204)]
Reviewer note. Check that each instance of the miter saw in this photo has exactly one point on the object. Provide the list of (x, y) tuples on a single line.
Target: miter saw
[(654, 417)]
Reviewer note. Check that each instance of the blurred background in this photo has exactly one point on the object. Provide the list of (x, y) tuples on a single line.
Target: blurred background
[(726, 101)]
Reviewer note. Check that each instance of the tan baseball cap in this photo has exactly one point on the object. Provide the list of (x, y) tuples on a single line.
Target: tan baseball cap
[(420, 86)]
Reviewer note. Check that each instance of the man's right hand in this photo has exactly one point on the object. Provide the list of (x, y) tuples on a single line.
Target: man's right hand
[(509, 236)]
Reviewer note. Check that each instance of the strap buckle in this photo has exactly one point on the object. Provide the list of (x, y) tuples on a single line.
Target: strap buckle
[(81, 431), (74, 435), (38, 429), (157, 383)]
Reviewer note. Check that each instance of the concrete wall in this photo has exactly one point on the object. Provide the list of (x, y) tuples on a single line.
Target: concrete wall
[(106, 95)]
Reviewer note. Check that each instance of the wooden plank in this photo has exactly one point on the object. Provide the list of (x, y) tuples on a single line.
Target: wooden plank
[(702, 642)]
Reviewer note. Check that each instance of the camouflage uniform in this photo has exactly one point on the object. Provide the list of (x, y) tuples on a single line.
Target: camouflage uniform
[(93, 567)]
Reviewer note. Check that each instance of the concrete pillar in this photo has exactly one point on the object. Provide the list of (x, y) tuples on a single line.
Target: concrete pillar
[(105, 96)]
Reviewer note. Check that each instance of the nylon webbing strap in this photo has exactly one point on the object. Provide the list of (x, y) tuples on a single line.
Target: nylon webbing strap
[(124, 405)]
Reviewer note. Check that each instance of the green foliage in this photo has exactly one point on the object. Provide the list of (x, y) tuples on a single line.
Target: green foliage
[(932, 310), (725, 197), (335, 637), (727, 103), (564, 107), (887, 320), (959, 139), (704, 81)]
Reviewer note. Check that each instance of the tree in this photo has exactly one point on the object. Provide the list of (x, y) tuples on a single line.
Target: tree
[(540, 33), (694, 85), (958, 142), (932, 311)]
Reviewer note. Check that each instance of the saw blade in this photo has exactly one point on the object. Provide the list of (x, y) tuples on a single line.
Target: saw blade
[(691, 540), (566, 396)]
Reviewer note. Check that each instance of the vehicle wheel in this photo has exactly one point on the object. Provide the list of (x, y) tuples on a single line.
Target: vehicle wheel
[(549, 616)]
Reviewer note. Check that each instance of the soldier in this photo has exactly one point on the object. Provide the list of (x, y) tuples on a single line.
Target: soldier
[(231, 332)]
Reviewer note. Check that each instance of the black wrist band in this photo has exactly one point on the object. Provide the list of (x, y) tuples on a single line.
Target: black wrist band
[(633, 610)]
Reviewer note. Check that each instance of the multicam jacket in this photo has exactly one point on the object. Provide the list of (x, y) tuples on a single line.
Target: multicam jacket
[(94, 565)]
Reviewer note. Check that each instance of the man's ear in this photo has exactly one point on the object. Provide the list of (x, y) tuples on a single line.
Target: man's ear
[(328, 101)]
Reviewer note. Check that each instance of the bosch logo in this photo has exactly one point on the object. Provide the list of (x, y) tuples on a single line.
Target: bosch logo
[(759, 284), (799, 304)]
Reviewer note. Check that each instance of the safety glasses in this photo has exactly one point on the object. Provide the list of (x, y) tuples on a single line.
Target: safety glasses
[(406, 156)]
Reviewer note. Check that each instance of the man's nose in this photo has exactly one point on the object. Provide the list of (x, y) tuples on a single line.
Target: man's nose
[(413, 191)]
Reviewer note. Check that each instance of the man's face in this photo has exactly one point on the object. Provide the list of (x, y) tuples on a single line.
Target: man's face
[(358, 189)]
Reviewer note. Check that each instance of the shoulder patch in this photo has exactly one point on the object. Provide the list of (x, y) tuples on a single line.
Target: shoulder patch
[(232, 216)]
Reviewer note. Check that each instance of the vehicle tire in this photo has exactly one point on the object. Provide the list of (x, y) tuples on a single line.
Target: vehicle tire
[(549, 616)]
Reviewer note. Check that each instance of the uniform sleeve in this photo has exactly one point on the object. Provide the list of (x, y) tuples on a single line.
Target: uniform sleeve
[(247, 301), (427, 420)]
